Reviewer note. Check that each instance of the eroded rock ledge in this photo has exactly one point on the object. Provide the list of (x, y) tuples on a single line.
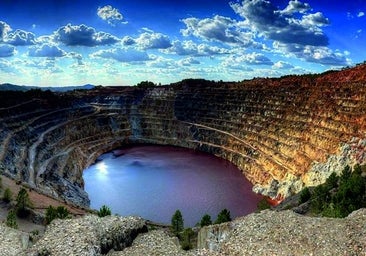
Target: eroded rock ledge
[(282, 133)]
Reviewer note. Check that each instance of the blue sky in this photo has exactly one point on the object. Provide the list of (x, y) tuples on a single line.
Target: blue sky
[(56, 43)]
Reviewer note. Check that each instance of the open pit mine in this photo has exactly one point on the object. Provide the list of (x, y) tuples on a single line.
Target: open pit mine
[(283, 133)]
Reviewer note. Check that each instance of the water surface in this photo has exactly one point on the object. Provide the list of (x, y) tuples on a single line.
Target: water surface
[(155, 181)]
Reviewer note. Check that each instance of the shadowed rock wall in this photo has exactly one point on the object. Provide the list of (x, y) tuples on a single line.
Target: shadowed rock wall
[(282, 133)]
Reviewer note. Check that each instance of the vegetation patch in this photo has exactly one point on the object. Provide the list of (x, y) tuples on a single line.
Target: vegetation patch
[(339, 195)]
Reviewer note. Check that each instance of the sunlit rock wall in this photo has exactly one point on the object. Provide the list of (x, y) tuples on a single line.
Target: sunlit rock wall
[(282, 133)]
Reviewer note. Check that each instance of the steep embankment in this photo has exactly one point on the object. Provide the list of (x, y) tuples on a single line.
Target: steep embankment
[(282, 133)]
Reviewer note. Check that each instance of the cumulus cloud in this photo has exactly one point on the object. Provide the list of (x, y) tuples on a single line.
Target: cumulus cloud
[(21, 37), (190, 48), (163, 63), (218, 28), (360, 14), (77, 57), (315, 19), (122, 55), (282, 65), (237, 61), (296, 6), (4, 29), (46, 50), (149, 40), (322, 55), (82, 35), (127, 40), (110, 14), (188, 61), (282, 25), (255, 59), (7, 50)]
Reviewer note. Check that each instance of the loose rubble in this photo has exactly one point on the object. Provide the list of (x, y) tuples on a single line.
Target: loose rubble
[(264, 233), (88, 236)]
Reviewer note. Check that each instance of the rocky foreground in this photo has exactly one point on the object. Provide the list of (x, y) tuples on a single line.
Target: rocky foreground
[(264, 233)]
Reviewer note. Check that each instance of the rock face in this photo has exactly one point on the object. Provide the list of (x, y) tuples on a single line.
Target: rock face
[(282, 133), (287, 233), (12, 241), (88, 236)]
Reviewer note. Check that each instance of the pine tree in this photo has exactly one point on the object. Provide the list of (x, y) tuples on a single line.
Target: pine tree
[(223, 216), (104, 211), (23, 203), (177, 222), (7, 197), (11, 220), (206, 220)]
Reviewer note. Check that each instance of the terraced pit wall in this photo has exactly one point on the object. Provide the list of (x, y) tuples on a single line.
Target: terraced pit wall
[(283, 134)]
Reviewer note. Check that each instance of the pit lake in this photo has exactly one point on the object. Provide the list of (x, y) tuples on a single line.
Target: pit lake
[(154, 181)]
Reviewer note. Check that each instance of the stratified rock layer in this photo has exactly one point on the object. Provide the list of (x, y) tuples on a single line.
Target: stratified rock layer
[(282, 133)]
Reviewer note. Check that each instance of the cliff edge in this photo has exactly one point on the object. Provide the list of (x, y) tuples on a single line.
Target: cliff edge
[(283, 133)]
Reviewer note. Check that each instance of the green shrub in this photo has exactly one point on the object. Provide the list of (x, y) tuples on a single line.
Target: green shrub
[(62, 212), (7, 197), (339, 196), (59, 212), (206, 220), (305, 195), (187, 237), (11, 220), (223, 216), (104, 211), (263, 205), (177, 222)]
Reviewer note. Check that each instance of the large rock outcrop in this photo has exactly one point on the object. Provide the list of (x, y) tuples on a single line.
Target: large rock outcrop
[(89, 236), (282, 133)]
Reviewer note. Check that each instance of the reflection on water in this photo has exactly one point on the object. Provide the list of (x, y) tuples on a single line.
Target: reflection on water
[(154, 181)]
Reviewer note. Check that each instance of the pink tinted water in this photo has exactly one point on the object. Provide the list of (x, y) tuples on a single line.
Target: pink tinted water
[(155, 181)]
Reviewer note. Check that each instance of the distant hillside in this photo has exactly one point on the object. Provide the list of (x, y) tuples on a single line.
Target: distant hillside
[(13, 87)]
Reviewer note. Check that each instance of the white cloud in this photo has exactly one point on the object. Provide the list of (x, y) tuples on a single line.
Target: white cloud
[(7, 50), (122, 55), (163, 63), (46, 50), (321, 55), (110, 14), (360, 14), (188, 61), (315, 19), (296, 6), (149, 40), (127, 40), (83, 35), (20, 37), (77, 57), (4, 29), (282, 65), (238, 61), (283, 26), (219, 29), (190, 48)]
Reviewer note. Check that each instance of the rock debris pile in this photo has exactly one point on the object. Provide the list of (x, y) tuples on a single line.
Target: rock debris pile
[(264, 233)]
